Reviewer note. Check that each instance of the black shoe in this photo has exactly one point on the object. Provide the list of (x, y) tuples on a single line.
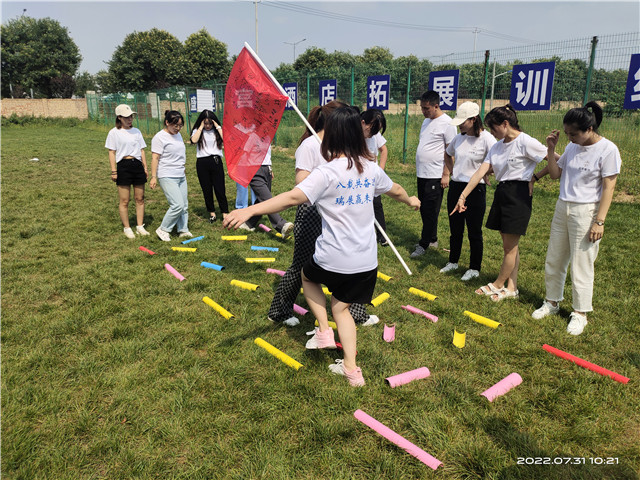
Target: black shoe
[(212, 218), (383, 242)]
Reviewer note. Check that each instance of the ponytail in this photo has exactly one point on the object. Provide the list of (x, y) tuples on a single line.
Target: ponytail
[(589, 116), (499, 114)]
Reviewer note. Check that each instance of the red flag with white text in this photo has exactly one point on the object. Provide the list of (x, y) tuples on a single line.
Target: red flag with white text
[(253, 107)]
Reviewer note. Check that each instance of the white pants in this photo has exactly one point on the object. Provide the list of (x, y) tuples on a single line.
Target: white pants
[(569, 243)]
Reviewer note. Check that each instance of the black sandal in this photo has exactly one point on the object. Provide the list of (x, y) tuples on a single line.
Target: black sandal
[(212, 218)]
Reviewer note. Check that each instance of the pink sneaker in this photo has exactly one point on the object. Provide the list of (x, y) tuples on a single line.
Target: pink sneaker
[(355, 376), (320, 339)]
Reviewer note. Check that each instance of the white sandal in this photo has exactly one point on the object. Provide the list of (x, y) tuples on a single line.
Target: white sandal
[(504, 293), (488, 289)]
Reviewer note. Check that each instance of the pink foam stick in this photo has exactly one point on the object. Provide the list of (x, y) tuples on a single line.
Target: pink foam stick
[(389, 334), (174, 272), (264, 227), (411, 309), (277, 272), (299, 310), (503, 386), (406, 377), (400, 441), (583, 363), (144, 249)]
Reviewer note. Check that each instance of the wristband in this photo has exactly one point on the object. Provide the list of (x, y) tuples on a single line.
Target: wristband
[(536, 177)]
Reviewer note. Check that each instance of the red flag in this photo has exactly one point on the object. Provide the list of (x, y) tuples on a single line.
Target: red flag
[(253, 107)]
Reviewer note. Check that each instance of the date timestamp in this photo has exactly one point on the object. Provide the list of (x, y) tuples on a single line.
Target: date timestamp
[(567, 460)]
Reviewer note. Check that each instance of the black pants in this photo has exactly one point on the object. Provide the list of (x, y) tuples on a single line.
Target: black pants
[(306, 230), (378, 212), (473, 216), (211, 177), (430, 194), (261, 186)]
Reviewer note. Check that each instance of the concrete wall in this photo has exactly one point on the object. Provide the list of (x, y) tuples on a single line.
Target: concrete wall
[(45, 107)]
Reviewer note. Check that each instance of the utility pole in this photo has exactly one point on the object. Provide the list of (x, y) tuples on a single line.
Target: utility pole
[(294, 47), (255, 3)]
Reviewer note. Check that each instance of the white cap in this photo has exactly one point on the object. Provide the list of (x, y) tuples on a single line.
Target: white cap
[(124, 111), (466, 110)]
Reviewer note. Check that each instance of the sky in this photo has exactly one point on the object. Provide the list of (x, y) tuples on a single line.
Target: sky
[(426, 29)]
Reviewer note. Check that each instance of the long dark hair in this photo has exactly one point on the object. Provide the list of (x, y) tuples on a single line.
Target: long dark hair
[(318, 116), (208, 115), (499, 114), (343, 135), (374, 118), (582, 118)]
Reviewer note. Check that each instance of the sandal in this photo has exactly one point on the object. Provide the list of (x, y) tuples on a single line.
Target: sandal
[(488, 289), (212, 218), (504, 293)]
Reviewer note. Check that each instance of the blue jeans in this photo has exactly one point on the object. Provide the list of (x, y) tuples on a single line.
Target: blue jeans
[(242, 196), (175, 189)]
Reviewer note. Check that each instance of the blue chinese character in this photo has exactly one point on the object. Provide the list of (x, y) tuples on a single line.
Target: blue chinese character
[(367, 199), (367, 184), (350, 200), (358, 199), (340, 200), (340, 185), (350, 184), (358, 183)]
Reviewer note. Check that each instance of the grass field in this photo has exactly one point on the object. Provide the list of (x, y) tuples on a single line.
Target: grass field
[(111, 368)]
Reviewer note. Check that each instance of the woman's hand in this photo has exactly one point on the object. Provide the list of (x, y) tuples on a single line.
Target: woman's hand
[(460, 206), (114, 176), (414, 202), (596, 232), (153, 182), (236, 218), (552, 139)]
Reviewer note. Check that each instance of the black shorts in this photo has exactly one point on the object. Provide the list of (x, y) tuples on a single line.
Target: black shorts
[(345, 287), (511, 208), (130, 172)]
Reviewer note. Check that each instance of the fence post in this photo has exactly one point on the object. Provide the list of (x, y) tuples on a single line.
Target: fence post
[(592, 59), (486, 78), (352, 83), (308, 94), (406, 117), (187, 110)]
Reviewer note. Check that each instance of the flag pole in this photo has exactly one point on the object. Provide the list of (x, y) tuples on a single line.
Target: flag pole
[(304, 119)]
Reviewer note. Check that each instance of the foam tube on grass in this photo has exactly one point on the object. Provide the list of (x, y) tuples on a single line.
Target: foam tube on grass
[(174, 272), (145, 249), (482, 320), (259, 260), (245, 285), (213, 266), (585, 364), (422, 294), (406, 377), (183, 249), (379, 299), (398, 440), (226, 314), (195, 239), (389, 333), (264, 227), (503, 386), (268, 249), (417, 311), (299, 310), (331, 324), (384, 277), (279, 354), (459, 338), (325, 290), (277, 272), (232, 238)]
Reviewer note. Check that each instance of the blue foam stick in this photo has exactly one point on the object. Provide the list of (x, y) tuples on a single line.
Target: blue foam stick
[(193, 239), (270, 249), (211, 265)]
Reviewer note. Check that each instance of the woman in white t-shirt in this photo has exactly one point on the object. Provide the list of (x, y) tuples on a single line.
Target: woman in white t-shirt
[(345, 259), (128, 167), (512, 159), (588, 170), (207, 136), (168, 159), (469, 149)]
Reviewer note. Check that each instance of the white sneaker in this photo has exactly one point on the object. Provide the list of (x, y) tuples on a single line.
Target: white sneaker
[(141, 230), (187, 234), (419, 251), (433, 245), (287, 230), (373, 319), (244, 226), (576, 324), (355, 377), (469, 274), (129, 233), (546, 309), (291, 322), (449, 267), (164, 236)]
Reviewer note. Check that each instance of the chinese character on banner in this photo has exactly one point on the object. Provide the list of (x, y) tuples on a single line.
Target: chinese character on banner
[(446, 84), (206, 100), (632, 95), (378, 87), (193, 103), (292, 90), (327, 91), (531, 86)]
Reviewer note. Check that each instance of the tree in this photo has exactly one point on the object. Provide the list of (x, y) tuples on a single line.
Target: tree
[(379, 55), (147, 61), (206, 58), (105, 82), (313, 58), (34, 52), (84, 81)]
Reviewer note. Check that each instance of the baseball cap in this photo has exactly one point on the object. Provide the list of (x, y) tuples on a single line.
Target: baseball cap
[(124, 111), (465, 110)]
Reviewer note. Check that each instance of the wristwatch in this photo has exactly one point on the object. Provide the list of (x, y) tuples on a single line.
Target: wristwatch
[(599, 222)]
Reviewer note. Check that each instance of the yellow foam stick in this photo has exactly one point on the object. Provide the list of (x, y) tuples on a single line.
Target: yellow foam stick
[(331, 324), (231, 238), (422, 294), (279, 354), (245, 285), (384, 277), (279, 235), (379, 299), (183, 249), (459, 338), (483, 320), (325, 290), (217, 308), (259, 260)]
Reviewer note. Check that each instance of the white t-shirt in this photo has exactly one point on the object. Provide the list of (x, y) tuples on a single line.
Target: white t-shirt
[(375, 143), (126, 143), (209, 144), (267, 157), (344, 199), (172, 153), (434, 136), (517, 159), (469, 153), (583, 169), (308, 155)]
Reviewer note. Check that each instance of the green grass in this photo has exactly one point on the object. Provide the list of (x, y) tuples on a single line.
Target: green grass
[(111, 368)]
